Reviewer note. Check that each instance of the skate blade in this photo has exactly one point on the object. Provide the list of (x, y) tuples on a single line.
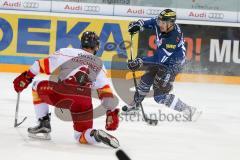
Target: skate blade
[(113, 141), (196, 116), (40, 136)]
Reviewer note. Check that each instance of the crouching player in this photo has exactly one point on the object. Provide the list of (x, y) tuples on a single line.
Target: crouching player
[(78, 72)]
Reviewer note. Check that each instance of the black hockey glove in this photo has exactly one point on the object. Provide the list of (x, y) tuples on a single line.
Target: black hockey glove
[(134, 27), (135, 64)]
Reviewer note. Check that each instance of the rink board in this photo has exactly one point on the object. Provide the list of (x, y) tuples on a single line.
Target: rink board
[(29, 36), (127, 75)]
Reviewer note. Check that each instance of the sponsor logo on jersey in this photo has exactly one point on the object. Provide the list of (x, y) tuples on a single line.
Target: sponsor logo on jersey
[(170, 46)]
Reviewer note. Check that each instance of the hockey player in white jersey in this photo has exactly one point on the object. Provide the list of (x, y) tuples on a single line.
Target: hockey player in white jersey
[(78, 71)]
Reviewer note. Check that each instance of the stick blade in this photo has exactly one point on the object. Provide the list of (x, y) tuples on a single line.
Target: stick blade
[(121, 155), (18, 124), (152, 122)]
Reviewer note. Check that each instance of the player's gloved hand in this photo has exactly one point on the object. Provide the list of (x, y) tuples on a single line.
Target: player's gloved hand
[(82, 76), (134, 27), (23, 80), (112, 119), (79, 78), (135, 64)]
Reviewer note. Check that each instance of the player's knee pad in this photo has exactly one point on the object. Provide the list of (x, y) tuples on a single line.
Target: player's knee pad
[(163, 81)]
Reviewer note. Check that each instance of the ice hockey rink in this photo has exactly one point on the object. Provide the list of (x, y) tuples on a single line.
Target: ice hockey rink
[(215, 135)]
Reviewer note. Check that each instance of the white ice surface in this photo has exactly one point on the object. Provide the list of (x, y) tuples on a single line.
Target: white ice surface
[(214, 136)]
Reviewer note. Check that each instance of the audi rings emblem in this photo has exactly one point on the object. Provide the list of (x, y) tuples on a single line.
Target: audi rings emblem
[(30, 4), (153, 11), (215, 15), (92, 8)]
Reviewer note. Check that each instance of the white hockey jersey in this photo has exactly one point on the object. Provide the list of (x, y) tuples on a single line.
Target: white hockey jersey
[(67, 61)]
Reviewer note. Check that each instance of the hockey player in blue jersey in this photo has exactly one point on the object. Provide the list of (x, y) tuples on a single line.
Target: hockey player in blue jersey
[(162, 68)]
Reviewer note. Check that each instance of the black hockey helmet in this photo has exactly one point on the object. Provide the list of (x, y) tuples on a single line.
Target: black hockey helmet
[(167, 15), (90, 39)]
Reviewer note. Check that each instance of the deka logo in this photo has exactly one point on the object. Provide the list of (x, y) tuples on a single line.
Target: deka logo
[(37, 36)]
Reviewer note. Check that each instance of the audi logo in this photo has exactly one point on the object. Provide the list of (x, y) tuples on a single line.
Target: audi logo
[(92, 8), (30, 4), (215, 15), (153, 11)]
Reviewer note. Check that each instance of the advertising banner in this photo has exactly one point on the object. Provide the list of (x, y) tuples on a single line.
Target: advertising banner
[(207, 15), (136, 11), (238, 17), (29, 5), (210, 49), (25, 38), (217, 5), (82, 8), (192, 11)]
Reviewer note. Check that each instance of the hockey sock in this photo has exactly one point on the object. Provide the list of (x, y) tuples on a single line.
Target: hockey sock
[(41, 110)]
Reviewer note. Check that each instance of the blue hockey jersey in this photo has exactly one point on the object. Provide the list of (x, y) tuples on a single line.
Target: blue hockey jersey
[(170, 47)]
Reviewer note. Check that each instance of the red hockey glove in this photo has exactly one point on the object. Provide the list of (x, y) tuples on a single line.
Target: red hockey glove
[(23, 80), (112, 120)]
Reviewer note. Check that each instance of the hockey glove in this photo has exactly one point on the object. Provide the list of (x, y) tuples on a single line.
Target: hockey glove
[(82, 75), (112, 119), (134, 27), (23, 80), (135, 64)]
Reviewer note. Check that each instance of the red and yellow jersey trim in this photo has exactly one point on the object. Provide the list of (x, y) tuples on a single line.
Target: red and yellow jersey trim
[(105, 91), (44, 66)]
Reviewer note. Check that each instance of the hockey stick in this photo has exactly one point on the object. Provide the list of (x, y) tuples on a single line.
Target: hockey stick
[(148, 120), (16, 124), (121, 155)]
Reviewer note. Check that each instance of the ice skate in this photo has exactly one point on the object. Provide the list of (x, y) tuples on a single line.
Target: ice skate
[(192, 113), (42, 130), (104, 137)]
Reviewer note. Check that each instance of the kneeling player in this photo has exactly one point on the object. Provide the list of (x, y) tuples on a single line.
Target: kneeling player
[(78, 71)]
